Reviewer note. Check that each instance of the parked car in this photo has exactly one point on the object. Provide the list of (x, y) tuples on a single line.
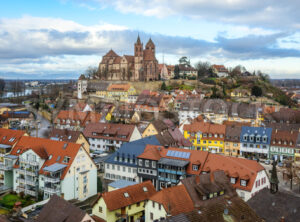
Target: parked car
[(268, 162)]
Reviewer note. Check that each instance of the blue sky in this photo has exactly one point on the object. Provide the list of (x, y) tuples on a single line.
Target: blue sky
[(61, 38)]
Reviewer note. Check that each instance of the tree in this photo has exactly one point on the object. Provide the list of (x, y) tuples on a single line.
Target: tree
[(91, 72), (203, 68), (184, 61), (2, 86), (176, 72), (163, 86), (237, 71), (274, 178), (256, 91)]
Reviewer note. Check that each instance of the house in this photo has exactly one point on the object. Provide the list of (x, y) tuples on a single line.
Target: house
[(156, 127), (99, 161), (70, 137), (283, 144), (167, 202), (187, 71), (281, 206), (75, 120), (82, 85), (166, 71), (284, 115), (126, 116), (232, 140), (127, 203), (219, 70), (110, 136), (14, 118), (214, 200), (206, 136), (240, 93), (150, 102), (82, 107), (166, 167), (255, 141), (122, 164), (59, 210), (45, 167), (8, 139), (98, 88), (120, 92), (7, 107)]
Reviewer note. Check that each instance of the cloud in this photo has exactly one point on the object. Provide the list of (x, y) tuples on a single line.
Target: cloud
[(267, 13), (46, 45)]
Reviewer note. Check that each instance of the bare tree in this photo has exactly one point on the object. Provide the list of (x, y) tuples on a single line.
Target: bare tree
[(91, 72)]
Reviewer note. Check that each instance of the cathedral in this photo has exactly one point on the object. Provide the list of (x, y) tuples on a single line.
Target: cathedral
[(143, 66)]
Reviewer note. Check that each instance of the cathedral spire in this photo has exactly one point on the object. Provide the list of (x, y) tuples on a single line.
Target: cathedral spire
[(138, 41)]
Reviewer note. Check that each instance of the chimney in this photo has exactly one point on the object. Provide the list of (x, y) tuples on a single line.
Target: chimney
[(282, 219)]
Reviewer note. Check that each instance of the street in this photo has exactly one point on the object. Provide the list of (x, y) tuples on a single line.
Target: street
[(41, 123)]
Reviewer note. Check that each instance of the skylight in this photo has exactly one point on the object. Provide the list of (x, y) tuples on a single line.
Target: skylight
[(145, 189), (65, 146), (126, 195)]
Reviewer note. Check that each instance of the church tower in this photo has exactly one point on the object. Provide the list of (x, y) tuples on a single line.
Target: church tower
[(138, 59)]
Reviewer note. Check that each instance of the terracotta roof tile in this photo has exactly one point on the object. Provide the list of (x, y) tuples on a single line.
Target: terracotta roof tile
[(7, 135)]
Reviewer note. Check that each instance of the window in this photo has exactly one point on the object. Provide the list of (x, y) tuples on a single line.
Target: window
[(66, 159), (129, 170), (12, 139), (138, 204), (100, 209), (107, 166), (147, 163), (232, 180), (153, 164), (159, 206), (195, 167), (151, 216), (243, 183), (140, 162), (153, 204), (124, 169), (126, 195)]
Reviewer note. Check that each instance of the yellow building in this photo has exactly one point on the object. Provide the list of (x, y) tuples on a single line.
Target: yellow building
[(232, 140), (240, 93), (206, 136), (120, 92), (125, 203), (154, 128)]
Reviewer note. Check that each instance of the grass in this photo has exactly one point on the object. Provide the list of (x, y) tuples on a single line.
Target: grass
[(9, 201), (3, 211)]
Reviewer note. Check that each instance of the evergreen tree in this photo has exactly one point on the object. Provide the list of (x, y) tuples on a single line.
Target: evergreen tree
[(163, 86), (274, 178)]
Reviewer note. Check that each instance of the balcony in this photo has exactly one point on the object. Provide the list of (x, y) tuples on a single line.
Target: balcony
[(178, 172), (27, 172), (5, 167), (30, 162), (52, 179), (55, 190), (20, 189), (30, 192)]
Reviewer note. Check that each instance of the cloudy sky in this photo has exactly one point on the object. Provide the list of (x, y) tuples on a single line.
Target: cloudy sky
[(61, 38)]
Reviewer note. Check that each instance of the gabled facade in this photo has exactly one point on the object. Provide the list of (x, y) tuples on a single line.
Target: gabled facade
[(232, 140), (46, 167), (125, 204), (255, 141), (206, 136), (8, 139), (120, 92)]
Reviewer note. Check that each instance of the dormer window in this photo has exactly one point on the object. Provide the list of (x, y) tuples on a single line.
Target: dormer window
[(274, 141), (232, 180), (258, 138), (279, 142), (291, 143), (216, 135), (243, 183), (195, 167), (211, 195), (210, 135), (245, 137), (265, 139), (251, 138), (204, 135), (284, 142)]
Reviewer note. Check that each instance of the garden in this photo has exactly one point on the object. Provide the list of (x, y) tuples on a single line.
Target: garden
[(7, 202)]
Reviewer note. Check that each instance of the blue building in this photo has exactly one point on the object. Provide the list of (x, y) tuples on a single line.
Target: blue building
[(123, 163), (255, 141)]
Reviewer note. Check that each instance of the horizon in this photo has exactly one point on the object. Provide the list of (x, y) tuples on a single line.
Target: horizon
[(62, 38)]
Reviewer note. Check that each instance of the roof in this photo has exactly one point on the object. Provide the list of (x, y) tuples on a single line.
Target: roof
[(136, 193), (55, 167), (172, 202), (233, 133), (207, 128), (173, 162), (132, 150), (262, 131), (109, 131), (121, 184), (50, 150), (272, 207), (111, 53), (65, 135), (284, 138), (9, 136), (82, 117), (208, 162), (118, 87), (59, 210)]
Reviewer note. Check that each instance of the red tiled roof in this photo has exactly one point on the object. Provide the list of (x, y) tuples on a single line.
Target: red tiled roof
[(176, 199), (284, 138), (7, 134), (111, 53), (115, 131), (207, 128), (115, 199), (118, 87), (46, 148), (82, 117), (209, 163)]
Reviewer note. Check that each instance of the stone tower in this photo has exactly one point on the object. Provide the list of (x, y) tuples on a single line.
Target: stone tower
[(138, 59)]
